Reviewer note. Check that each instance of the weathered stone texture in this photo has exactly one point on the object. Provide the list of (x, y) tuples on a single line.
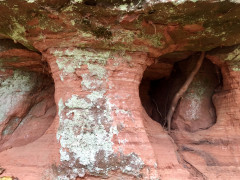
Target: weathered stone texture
[(70, 75)]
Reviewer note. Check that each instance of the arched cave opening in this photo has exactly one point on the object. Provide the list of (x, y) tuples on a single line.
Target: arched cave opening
[(27, 94), (162, 80)]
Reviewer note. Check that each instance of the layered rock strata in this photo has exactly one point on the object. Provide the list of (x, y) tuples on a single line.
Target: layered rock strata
[(69, 89)]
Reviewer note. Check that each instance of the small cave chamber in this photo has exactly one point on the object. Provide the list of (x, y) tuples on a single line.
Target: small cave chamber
[(162, 80), (27, 94), (29, 110)]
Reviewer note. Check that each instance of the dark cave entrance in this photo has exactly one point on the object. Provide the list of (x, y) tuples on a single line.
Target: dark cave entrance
[(195, 110)]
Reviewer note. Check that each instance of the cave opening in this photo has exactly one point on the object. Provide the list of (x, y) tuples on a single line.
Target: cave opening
[(27, 90), (162, 80)]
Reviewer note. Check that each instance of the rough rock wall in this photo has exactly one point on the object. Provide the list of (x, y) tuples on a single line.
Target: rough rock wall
[(96, 52), (100, 128), (195, 109), (27, 113), (214, 152)]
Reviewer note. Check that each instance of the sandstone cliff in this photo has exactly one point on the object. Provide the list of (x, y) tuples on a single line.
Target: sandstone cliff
[(85, 87)]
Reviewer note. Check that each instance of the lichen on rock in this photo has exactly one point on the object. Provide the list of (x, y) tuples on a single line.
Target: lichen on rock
[(13, 90), (86, 127), (97, 51), (70, 60)]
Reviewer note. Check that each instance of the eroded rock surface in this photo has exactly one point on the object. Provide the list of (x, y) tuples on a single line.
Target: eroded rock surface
[(214, 152), (77, 96)]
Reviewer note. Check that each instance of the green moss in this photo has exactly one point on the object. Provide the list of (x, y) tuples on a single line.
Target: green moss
[(69, 8), (234, 55), (10, 59), (216, 18), (154, 39), (102, 32), (45, 23), (17, 32), (75, 58), (233, 59), (85, 34)]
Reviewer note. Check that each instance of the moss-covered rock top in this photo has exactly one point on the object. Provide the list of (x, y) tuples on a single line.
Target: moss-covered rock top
[(128, 25)]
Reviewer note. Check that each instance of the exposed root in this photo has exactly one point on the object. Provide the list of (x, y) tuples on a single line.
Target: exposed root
[(209, 159), (182, 90), (190, 168), (1, 170), (194, 171), (160, 114)]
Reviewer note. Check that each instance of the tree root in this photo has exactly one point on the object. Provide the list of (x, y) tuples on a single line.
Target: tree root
[(1, 170), (182, 90)]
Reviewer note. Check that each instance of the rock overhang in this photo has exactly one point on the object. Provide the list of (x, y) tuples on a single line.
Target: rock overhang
[(155, 27)]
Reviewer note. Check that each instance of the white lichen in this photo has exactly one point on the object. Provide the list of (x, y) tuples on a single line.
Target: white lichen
[(83, 135), (76, 102), (90, 84), (97, 70), (123, 7), (134, 165), (76, 1), (95, 95), (86, 127), (122, 141), (30, 1), (13, 90), (193, 110), (70, 60)]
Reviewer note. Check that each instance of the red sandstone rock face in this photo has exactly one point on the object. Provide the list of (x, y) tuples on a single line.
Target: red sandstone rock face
[(103, 98), (101, 132), (214, 152), (27, 137), (101, 129)]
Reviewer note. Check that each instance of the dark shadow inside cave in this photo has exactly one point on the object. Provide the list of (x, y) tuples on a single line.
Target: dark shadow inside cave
[(161, 81)]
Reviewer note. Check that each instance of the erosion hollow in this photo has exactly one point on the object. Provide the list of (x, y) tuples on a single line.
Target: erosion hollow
[(27, 95), (163, 79)]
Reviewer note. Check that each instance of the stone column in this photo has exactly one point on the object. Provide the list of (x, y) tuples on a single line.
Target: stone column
[(101, 130)]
